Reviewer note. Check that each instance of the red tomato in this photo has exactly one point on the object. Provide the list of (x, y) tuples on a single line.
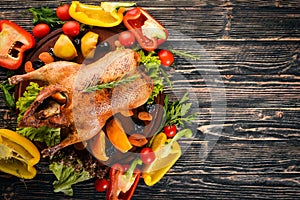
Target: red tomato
[(126, 38), (41, 30), (62, 12), (101, 185), (147, 155), (71, 28), (170, 131), (166, 57)]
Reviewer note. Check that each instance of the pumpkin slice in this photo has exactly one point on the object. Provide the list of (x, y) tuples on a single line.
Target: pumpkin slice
[(117, 136)]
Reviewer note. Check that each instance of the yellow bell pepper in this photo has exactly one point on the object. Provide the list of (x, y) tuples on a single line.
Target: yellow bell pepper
[(18, 155), (105, 15), (167, 152)]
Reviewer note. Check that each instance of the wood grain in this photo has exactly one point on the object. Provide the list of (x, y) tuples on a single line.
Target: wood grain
[(245, 89)]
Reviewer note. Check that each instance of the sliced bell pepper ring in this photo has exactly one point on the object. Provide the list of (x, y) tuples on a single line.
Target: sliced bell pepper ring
[(105, 15), (14, 42), (147, 30), (123, 184), (167, 152), (18, 155)]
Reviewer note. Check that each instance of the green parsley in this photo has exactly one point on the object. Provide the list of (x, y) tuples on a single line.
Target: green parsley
[(177, 112), (45, 15)]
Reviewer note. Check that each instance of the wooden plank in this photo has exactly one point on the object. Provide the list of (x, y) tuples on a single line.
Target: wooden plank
[(203, 20), (232, 169)]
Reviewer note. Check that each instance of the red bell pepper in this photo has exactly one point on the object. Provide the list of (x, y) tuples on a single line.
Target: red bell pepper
[(148, 32), (14, 41), (122, 184)]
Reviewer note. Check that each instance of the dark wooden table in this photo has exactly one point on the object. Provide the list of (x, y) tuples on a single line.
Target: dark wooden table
[(246, 89)]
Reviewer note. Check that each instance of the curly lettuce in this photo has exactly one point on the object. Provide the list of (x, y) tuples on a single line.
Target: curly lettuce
[(152, 65), (47, 135)]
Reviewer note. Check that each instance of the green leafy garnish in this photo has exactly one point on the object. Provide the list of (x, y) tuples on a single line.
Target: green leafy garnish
[(71, 167), (45, 15), (177, 112), (66, 177), (8, 97), (50, 136), (112, 84), (152, 65), (24, 102)]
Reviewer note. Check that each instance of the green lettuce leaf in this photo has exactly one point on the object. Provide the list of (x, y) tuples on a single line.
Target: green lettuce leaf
[(66, 177), (50, 136), (152, 66)]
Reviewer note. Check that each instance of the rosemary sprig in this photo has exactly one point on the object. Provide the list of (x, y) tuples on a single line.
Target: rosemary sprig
[(185, 54), (112, 84)]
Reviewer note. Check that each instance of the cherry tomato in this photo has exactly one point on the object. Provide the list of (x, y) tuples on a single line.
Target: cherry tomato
[(71, 28), (41, 30), (62, 12), (166, 57), (126, 38), (170, 131), (147, 155), (101, 185)]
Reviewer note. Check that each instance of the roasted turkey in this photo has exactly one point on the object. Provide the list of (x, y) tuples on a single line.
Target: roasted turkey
[(64, 103)]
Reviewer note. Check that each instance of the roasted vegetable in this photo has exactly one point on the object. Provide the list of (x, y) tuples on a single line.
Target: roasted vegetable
[(117, 135)]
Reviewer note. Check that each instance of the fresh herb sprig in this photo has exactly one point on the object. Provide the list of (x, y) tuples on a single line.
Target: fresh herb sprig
[(112, 84), (45, 15), (185, 54), (177, 112)]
